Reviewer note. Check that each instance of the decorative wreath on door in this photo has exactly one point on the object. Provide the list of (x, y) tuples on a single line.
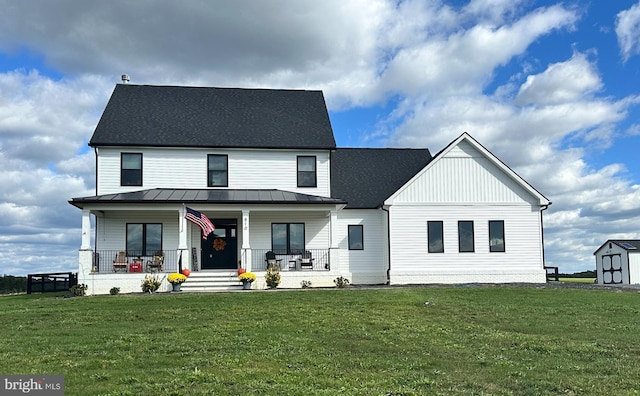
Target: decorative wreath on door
[(219, 244)]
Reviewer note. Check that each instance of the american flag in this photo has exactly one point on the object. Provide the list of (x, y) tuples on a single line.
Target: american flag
[(201, 221)]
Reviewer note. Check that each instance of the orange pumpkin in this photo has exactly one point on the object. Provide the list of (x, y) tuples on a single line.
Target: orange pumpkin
[(241, 271), (186, 272)]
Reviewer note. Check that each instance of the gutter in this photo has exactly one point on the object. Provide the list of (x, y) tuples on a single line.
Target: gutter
[(388, 246)]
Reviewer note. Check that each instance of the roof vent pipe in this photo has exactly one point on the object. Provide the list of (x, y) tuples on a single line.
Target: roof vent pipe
[(125, 78)]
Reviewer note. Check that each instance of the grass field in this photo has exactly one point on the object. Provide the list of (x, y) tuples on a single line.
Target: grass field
[(466, 340), (578, 280)]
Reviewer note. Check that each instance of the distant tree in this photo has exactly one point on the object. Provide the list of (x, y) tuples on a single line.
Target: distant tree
[(582, 274), (13, 284)]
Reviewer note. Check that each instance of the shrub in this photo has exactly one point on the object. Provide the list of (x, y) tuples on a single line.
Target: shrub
[(79, 290), (272, 278), (305, 284), (114, 291), (150, 284), (341, 282)]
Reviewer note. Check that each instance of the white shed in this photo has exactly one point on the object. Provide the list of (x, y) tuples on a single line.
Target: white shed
[(618, 262)]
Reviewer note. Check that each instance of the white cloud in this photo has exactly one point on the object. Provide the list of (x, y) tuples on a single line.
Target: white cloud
[(429, 61), (628, 31)]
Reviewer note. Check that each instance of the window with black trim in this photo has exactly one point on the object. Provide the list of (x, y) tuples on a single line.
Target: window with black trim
[(356, 237), (435, 236), (131, 169), (144, 239), (287, 238), (496, 236), (465, 236), (217, 170), (307, 171)]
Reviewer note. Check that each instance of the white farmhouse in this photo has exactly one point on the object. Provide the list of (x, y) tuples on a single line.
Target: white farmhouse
[(263, 166)]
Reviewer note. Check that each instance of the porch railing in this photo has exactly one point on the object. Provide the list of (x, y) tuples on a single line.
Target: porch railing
[(105, 261), (307, 260)]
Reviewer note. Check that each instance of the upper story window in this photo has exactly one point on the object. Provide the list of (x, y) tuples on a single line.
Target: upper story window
[(435, 235), (307, 171), (496, 236), (217, 170), (465, 236), (356, 237), (131, 169)]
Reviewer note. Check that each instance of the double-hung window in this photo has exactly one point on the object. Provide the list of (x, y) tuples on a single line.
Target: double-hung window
[(287, 238), (307, 171), (356, 237), (217, 170), (435, 236), (131, 169), (496, 236), (465, 236), (144, 239)]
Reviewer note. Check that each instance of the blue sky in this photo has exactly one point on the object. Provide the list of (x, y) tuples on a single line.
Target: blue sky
[(549, 87)]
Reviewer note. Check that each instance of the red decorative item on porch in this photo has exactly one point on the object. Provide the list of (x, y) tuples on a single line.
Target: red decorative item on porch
[(186, 272), (135, 267), (241, 271)]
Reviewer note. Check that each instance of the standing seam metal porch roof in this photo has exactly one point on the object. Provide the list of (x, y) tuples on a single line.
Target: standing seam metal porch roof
[(207, 196)]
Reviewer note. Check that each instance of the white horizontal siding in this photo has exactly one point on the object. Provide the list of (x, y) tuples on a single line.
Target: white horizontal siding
[(111, 230), (373, 260), (463, 175), (316, 228), (187, 168), (409, 252)]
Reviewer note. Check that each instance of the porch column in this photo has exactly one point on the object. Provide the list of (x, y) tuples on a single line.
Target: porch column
[(246, 246), (334, 229), (86, 230), (334, 251), (182, 239)]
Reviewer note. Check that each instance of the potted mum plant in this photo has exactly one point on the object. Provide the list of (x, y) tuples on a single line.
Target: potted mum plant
[(247, 279), (176, 280)]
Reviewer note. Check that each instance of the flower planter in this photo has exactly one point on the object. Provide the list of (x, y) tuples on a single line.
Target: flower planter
[(176, 287), (246, 285)]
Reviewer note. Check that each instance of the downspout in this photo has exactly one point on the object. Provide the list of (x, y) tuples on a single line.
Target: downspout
[(544, 207), (388, 246)]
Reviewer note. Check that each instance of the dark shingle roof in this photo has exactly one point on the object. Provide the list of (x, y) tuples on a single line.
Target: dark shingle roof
[(627, 244), (145, 115), (173, 195), (366, 177)]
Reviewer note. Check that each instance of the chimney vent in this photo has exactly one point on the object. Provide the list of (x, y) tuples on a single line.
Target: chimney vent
[(125, 78)]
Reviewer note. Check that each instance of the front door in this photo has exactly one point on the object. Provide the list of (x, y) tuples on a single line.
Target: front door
[(219, 250)]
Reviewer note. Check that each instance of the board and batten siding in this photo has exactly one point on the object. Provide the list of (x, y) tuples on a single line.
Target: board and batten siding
[(465, 185), (370, 265), (187, 168), (634, 268)]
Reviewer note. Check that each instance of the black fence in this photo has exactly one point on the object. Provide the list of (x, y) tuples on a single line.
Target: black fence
[(552, 273), (307, 260), (105, 261), (53, 282)]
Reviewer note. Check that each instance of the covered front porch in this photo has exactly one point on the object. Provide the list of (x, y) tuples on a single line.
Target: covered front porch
[(124, 241)]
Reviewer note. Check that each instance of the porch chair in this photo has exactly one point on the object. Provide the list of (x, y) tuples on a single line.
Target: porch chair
[(155, 264), (271, 260), (306, 261), (120, 262)]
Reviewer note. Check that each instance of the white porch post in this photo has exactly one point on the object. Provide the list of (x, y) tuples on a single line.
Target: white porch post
[(246, 246), (86, 230), (334, 251), (182, 239)]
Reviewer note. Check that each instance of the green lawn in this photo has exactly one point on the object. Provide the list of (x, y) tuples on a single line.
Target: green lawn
[(466, 340)]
